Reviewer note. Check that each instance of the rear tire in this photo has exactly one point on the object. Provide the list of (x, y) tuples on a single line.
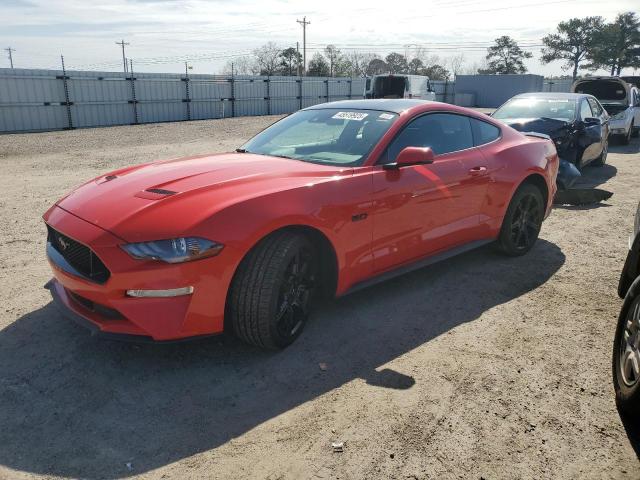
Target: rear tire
[(272, 291), (625, 139), (626, 361), (522, 222)]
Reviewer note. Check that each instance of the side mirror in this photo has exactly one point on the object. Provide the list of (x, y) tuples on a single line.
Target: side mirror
[(411, 156), (591, 121)]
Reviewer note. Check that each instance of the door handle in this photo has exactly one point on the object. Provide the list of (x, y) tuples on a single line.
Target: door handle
[(478, 170)]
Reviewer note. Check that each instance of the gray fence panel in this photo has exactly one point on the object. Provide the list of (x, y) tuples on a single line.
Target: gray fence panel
[(339, 88), (209, 90), (165, 111), (30, 89), (284, 105), (314, 89), (101, 114), (94, 90), (169, 90), (31, 117)]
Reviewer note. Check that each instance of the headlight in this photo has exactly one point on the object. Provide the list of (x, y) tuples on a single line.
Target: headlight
[(619, 115), (176, 250)]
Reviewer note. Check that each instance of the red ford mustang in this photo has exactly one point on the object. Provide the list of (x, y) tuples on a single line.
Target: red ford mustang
[(325, 201)]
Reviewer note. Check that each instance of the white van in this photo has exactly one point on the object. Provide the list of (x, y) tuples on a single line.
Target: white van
[(620, 99), (399, 86)]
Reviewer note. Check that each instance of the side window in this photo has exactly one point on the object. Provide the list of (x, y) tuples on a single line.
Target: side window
[(595, 107), (484, 132), (443, 132), (585, 110)]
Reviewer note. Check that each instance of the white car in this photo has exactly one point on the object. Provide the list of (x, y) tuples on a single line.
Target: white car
[(620, 99), (399, 86)]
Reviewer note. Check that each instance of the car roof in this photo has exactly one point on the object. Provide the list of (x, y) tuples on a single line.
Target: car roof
[(554, 95), (396, 105)]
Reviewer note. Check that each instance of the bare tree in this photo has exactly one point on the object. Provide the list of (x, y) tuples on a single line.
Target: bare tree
[(357, 62), (267, 58), (241, 66), (456, 63)]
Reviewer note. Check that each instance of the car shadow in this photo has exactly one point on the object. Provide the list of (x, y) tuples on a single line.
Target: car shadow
[(75, 406), (632, 429), (592, 176)]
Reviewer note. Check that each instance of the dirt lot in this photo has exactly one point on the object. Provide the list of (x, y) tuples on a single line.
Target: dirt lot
[(480, 367)]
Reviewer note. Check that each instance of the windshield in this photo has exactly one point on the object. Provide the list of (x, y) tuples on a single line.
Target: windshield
[(559, 109), (329, 136)]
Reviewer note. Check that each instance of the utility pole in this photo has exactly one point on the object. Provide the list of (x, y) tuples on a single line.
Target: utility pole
[(124, 58), (304, 24), (9, 49)]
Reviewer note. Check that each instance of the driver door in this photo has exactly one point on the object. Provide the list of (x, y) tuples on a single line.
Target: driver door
[(424, 209)]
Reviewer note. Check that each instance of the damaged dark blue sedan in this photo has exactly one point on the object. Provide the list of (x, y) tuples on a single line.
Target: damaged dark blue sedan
[(577, 124)]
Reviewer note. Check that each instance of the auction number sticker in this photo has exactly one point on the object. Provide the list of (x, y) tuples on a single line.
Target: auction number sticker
[(359, 116)]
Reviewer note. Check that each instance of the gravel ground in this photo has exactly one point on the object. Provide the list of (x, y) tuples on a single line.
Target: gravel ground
[(480, 367)]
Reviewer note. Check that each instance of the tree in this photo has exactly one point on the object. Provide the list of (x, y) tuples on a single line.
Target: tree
[(415, 67), (377, 66), (396, 63), (573, 42), (290, 61), (505, 56), (318, 66), (266, 58), (356, 63), (617, 45), (335, 59), (436, 72), (241, 66), (456, 64)]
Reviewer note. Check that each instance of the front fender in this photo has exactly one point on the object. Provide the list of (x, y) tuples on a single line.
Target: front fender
[(328, 207)]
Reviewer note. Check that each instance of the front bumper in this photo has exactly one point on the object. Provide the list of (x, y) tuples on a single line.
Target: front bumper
[(109, 311)]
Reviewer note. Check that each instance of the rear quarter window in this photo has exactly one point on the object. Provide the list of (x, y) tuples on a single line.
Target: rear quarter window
[(484, 132)]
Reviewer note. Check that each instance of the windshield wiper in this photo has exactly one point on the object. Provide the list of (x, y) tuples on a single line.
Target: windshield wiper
[(242, 150)]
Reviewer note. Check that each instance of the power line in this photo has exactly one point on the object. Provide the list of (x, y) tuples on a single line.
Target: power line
[(9, 49), (304, 24), (124, 58)]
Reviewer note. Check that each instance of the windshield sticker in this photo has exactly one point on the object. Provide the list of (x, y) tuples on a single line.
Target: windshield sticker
[(558, 101), (385, 116), (359, 116)]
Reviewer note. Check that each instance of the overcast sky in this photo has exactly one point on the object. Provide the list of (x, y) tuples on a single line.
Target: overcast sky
[(164, 33)]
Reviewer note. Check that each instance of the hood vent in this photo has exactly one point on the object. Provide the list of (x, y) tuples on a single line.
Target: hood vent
[(160, 191), (155, 193)]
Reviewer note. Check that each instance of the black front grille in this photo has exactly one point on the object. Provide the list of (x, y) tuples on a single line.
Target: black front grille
[(79, 256)]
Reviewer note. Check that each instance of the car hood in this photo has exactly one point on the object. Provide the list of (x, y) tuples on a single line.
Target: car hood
[(186, 191), (548, 126)]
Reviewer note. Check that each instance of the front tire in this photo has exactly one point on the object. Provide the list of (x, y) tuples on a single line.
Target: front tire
[(626, 361), (522, 222), (272, 291), (626, 139), (602, 159)]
